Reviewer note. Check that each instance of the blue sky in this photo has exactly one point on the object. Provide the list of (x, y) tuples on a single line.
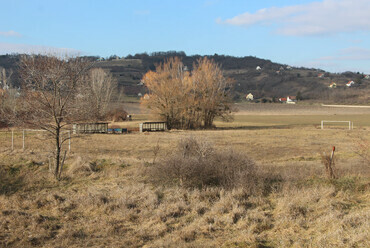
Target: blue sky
[(330, 34)]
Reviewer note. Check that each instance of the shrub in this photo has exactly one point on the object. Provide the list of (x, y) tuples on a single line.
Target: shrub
[(196, 163)]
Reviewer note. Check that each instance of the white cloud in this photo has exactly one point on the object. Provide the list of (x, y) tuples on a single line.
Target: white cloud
[(35, 49), (209, 3), (351, 53), (316, 18), (348, 59), (10, 33)]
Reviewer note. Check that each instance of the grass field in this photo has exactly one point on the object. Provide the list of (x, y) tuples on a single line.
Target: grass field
[(109, 198)]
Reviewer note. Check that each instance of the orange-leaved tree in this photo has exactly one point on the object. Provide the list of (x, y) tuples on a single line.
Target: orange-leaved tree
[(186, 99)]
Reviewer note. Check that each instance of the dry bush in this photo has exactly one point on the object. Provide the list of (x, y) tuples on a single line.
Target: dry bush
[(196, 163), (116, 115), (329, 163)]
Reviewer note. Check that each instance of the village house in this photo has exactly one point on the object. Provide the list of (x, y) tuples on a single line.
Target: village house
[(333, 85), (249, 97), (350, 84), (258, 68), (291, 99), (321, 75), (367, 77), (288, 99), (283, 99)]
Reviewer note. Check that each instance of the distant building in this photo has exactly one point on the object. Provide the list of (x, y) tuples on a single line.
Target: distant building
[(249, 97), (321, 75), (288, 67), (288, 99), (139, 95), (350, 83), (258, 68), (367, 77), (333, 85), (291, 99)]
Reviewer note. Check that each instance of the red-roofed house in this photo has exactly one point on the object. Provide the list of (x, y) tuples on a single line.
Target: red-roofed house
[(350, 83)]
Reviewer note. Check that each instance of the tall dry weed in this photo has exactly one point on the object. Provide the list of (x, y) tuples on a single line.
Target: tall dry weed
[(196, 163)]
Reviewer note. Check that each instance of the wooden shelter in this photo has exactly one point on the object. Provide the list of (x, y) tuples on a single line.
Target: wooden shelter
[(153, 126), (100, 127)]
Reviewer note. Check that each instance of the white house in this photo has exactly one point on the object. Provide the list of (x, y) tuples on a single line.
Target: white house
[(291, 99), (249, 97), (367, 77), (333, 85), (288, 67), (350, 83), (258, 68)]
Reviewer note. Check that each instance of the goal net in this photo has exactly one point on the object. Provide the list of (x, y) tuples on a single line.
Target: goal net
[(347, 124)]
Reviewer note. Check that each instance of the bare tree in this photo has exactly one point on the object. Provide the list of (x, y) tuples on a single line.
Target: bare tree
[(49, 92), (168, 87), (5, 76), (8, 97), (188, 100), (98, 93), (214, 91)]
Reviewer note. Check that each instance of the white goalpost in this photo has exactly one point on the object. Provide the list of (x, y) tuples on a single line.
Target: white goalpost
[(350, 124)]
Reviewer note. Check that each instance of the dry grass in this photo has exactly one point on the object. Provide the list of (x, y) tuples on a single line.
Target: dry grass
[(106, 199)]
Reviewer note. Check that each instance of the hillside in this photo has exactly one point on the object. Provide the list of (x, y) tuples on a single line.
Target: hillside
[(269, 83)]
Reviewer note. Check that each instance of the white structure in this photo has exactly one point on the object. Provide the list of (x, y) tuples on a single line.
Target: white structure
[(291, 99), (139, 95), (333, 85), (367, 77), (350, 83), (249, 97), (350, 124), (288, 67), (258, 68)]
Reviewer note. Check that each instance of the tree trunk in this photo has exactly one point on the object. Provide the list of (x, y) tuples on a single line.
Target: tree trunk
[(57, 151)]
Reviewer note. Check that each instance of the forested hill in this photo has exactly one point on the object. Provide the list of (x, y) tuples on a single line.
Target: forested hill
[(266, 80)]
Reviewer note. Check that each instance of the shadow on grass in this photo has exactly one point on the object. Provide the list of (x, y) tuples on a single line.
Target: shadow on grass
[(255, 127), (10, 180)]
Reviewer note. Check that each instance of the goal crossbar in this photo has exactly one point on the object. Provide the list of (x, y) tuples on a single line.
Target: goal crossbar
[(350, 123)]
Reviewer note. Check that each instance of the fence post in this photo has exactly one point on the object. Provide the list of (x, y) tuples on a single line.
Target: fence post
[(23, 139), (12, 140), (69, 141), (322, 124)]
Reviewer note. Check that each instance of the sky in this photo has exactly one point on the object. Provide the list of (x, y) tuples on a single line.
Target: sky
[(333, 35)]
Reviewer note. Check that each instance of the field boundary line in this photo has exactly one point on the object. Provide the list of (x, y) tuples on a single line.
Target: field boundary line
[(345, 106)]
